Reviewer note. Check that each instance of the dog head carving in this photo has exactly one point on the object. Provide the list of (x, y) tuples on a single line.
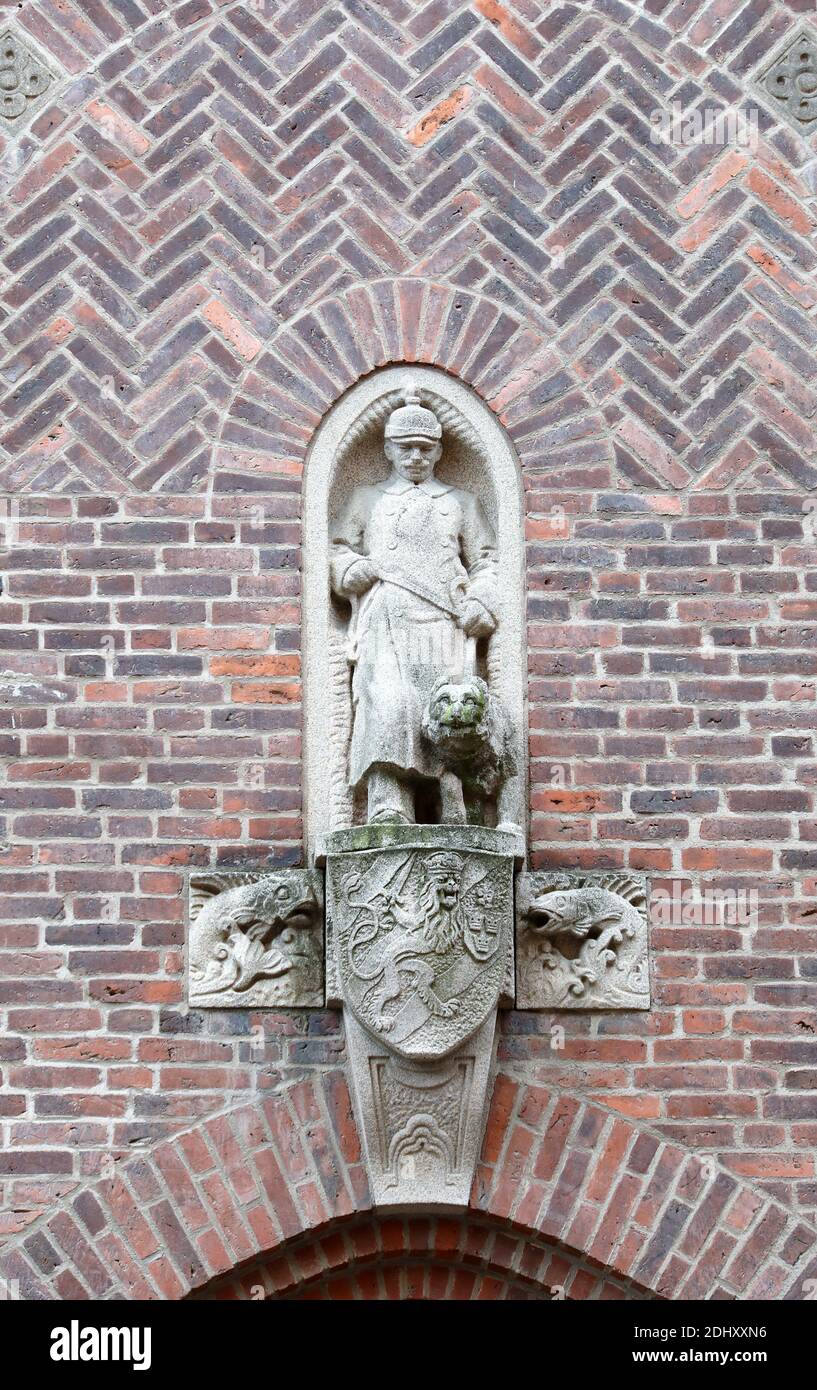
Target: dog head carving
[(457, 717)]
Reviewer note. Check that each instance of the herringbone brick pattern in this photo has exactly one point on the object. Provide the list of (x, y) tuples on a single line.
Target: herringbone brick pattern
[(210, 174), (221, 217)]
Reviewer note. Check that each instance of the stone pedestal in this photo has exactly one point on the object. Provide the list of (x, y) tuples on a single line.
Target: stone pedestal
[(420, 953)]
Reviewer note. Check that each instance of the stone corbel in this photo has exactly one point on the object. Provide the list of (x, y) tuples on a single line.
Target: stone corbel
[(420, 954)]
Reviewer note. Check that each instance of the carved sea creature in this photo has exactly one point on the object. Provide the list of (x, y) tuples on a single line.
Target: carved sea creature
[(583, 925), (263, 929)]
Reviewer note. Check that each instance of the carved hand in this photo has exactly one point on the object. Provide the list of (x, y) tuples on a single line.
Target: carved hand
[(475, 620), (359, 577)]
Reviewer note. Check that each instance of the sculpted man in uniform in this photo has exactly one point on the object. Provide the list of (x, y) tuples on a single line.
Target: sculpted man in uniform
[(416, 559)]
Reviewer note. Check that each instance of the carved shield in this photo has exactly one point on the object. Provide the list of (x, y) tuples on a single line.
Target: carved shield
[(422, 940)]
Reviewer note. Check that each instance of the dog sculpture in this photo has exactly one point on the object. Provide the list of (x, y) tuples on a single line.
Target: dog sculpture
[(470, 732)]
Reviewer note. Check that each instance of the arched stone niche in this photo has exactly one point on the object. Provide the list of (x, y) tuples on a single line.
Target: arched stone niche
[(347, 451)]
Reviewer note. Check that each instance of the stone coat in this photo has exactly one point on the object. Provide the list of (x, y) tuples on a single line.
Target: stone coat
[(432, 548)]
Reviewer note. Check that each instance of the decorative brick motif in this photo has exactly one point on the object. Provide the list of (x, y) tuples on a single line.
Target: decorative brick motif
[(200, 184), (791, 79), (436, 1258), (574, 1178)]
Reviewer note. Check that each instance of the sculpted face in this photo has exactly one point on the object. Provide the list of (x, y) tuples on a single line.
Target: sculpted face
[(413, 459), (448, 892), (457, 708)]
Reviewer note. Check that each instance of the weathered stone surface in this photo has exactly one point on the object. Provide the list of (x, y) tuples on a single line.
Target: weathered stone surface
[(422, 1125), (418, 657), (582, 941), (790, 80), (24, 78), (454, 837), (421, 939), (256, 939)]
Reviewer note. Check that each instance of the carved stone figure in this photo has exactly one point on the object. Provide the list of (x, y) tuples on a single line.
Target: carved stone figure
[(425, 747), (416, 559), (420, 924), (582, 941), (256, 939), (367, 679), (470, 732)]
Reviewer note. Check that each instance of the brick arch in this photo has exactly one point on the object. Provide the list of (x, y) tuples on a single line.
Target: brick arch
[(507, 355), (239, 1186), (405, 1257)]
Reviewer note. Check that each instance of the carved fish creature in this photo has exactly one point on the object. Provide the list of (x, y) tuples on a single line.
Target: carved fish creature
[(583, 926), (262, 929)]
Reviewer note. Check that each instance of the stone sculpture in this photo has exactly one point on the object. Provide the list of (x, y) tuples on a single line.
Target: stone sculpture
[(421, 934), (471, 466), (470, 731), (420, 916), (256, 939), (416, 559), (581, 941), (415, 794), (418, 932)]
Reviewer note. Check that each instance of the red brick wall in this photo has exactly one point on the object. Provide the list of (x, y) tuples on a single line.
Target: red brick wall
[(224, 217), (270, 1199)]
